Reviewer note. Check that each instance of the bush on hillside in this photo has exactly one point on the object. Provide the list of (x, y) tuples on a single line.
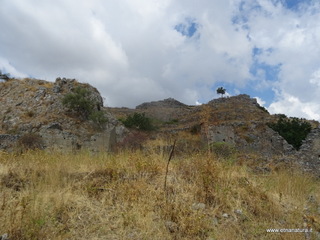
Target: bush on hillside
[(222, 149), (138, 121), (98, 118), (79, 102), (293, 130)]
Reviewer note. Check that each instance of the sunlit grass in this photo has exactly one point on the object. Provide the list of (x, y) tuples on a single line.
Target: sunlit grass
[(49, 195)]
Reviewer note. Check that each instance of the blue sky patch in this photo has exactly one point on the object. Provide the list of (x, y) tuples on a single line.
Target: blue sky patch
[(294, 4), (271, 72), (188, 28)]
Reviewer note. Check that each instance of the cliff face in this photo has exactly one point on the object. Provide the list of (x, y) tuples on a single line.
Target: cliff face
[(238, 121), (241, 121), (35, 106)]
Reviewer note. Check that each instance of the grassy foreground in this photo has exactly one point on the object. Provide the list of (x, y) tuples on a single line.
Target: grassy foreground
[(121, 196)]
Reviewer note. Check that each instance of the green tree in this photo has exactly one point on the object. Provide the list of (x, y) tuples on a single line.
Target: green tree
[(139, 121), (221, 91), (293, 130)]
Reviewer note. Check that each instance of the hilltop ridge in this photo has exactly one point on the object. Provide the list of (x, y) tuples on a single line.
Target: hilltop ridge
[(35, 106)]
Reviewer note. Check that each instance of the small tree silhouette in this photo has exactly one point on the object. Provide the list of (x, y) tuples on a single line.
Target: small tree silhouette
[(221, 91), (4, 76)]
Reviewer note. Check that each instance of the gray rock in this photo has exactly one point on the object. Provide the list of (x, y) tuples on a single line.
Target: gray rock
[(238, 211), (225, 215), (4, 237), (55, 126), (56, 89), (198, 206), (171, 226), (169, 102), (215, 221)]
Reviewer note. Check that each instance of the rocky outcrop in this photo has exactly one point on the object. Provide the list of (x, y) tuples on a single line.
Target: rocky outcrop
[(8, 141), (309, 153), (35, 106), (165, 110), (242, 122), (166, 103), (262, 139)]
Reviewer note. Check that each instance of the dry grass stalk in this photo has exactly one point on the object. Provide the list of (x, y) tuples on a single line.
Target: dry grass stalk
[(120, 196)]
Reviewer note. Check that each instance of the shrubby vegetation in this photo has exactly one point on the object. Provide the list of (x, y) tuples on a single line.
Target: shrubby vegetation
[(4, 76), (138, 121), (80, 102), (293, 130), (222, 149)]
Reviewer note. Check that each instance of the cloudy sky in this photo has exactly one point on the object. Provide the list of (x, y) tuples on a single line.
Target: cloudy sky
[(143, 50)]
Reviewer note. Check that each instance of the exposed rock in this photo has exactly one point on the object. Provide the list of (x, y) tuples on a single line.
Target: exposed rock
[(225, 215), (8, 141), (198, 206), (165, 110), (4, 237), (42, 112), (309, 154), (238, 121), (171, 226), (238, 211), (167, 103)]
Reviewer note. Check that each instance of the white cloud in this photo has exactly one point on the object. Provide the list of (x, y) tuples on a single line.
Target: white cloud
[(260, 101), (132, 53), (7, 68), (292, 37), (293, 107)]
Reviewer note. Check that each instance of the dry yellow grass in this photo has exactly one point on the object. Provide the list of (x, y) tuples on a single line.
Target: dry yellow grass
[(48, 195)]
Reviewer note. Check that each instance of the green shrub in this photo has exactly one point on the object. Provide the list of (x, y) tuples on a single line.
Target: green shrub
[(293, 130), (222, 149), (98, 118), (79, 102), (138, 121)]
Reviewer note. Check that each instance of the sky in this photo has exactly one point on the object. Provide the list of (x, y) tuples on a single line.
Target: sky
[(134, 51)]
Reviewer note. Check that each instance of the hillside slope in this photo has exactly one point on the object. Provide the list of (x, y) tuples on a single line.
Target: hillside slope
[(31, 106)]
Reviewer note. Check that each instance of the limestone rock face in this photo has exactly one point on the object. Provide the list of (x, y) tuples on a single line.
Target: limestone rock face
[(164, 110), (166, 103), (309, 153), (35, 106)]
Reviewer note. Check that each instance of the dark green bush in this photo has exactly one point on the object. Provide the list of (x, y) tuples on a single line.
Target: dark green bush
[(293, 130), (79, 102), (138, 121), (195, 129)]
